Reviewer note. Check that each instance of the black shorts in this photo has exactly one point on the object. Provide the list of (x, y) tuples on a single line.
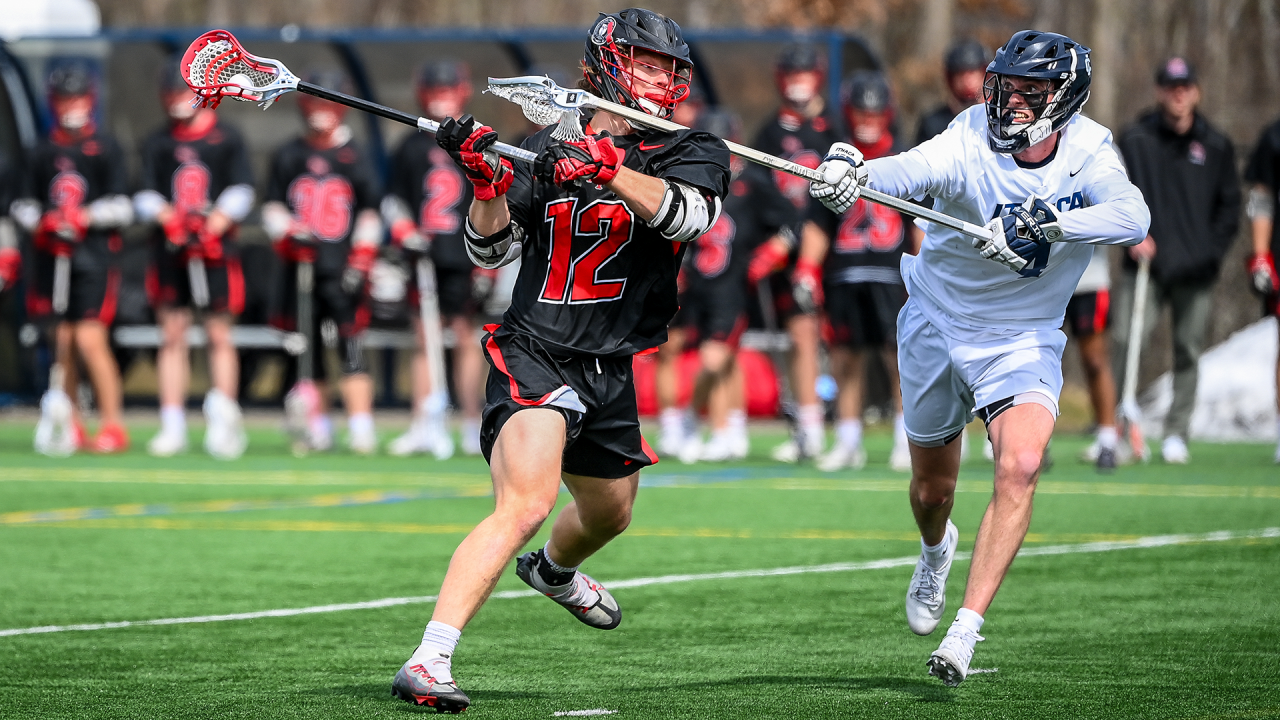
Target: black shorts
[(1089, 313), (350, 312), (94, 290), (864, 315), (784, 299), (717, 312), (453, 292), (169, 282), (596, 397)]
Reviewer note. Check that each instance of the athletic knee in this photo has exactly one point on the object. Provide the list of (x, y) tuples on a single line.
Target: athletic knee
[(526, 515), (607, 524), (1017, 470), (933, 493)]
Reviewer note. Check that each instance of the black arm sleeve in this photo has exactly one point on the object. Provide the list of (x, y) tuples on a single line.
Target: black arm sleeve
[(1226, 215)]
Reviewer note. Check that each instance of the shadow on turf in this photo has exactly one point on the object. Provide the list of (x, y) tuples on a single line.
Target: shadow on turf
[(382, 691), (923, 690)]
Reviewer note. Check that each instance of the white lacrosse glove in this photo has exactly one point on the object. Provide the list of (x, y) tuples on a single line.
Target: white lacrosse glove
[(1020, 240), (844, 174)]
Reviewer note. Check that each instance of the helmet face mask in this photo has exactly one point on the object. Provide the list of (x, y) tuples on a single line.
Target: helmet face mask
[(444, 88), (638, 58), (73, 95), (1021, 110)]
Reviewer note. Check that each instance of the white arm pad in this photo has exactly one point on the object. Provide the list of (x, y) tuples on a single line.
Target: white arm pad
[(276, 220), (684, 213), (110, 212), (488, 253), (1260, 205), (26, 212), (368, 229), (394, 210), (235, 202), (8, 235), (147, 204)]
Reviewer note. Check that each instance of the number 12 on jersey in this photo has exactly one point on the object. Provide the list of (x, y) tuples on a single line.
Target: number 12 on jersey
[(604, 228)]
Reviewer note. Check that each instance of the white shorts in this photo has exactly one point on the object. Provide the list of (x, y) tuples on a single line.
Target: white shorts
[(947, 379)]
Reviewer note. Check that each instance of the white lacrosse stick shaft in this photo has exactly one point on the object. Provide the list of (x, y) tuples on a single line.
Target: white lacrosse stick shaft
[(199, 281), (432, 331), (1130, 414), (61, 284)]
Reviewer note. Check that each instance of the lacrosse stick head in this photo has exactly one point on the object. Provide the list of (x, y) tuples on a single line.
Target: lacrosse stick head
[(544, 102), (216, 66)]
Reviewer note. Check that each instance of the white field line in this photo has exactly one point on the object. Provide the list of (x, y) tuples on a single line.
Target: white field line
[(1153, 541), (583, 713)]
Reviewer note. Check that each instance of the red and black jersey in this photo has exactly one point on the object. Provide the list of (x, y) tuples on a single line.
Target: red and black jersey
[(325, 190), (74, 173), (437, 193), (191, 168), (801, 140), (1264, 169), (595, 279), (754, 211), (867, 240)]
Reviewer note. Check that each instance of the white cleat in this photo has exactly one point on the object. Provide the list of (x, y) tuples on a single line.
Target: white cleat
[(691, 450), (841, 458), (55, 432), (950, 662), (722, 447), (224, 435), (362, 443), (927, 594), (1174, 451), (410, 443), (167, 443), (900, 458), (739, 445)]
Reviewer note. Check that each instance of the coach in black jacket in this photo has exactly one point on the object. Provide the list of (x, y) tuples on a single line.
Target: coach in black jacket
[(1187, 173)]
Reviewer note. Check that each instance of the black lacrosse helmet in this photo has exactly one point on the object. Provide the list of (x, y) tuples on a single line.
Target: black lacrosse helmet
[(965, 55), (616, 36), (722, 123), (170, 78), (72, 77), (1041, 56), (866, 90), (444, 74)]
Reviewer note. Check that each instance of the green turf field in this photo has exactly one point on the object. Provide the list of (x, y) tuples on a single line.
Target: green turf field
[(1186, 628)]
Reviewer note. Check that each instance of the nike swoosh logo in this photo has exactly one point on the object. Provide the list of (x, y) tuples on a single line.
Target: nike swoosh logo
[(642, 147), (1077, 172)]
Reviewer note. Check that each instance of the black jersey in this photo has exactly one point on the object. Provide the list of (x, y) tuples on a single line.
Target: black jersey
[(595, 279), (866, 241), (753, 212), (801, 140), (1264, 169), (191, 169), (325, 190), (934, 123), (76, 173), (430, 183)]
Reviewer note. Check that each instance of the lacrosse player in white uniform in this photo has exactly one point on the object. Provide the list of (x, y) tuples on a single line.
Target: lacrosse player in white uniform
[(980, 334)]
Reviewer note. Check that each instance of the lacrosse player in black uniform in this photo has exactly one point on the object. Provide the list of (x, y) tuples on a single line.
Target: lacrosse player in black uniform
[(862, 249), (196, 188), (321, 207), (601, 225), (714, 306), (75, 204), (803, 127), (425, 207), (1263, 177)]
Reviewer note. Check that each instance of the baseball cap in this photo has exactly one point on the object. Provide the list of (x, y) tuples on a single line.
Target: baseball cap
[(1176, 71)]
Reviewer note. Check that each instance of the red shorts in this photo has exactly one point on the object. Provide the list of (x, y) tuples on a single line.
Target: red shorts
[(1089, 313)]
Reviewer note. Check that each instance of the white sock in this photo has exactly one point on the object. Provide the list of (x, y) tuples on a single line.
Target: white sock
[(436, 651), (899, 429), (849, 434), (1107, 437), (173, 419), (935, 555), (434, 404), (811, 421), (736, 423), (673, 422), (969, 620), (360, 424)]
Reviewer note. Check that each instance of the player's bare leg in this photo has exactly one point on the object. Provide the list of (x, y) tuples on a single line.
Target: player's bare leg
[(173, 371), (933, 485), (357, 398), (66, 356), (91, 341), (674, 420), (805, 336), (1096, 358), (224, 437), (469, 370), (848, 367), (429, 430), (1277, 457), (719, 385), (900, 457)]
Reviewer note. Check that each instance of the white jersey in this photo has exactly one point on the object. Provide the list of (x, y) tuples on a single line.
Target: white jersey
[(957, 289)]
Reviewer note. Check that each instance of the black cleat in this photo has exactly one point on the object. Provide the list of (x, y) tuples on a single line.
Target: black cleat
[(1106, 460), (586, 599), (414, 684)]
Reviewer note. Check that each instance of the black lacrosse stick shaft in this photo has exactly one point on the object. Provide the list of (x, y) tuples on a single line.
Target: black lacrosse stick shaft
[(358, 103)]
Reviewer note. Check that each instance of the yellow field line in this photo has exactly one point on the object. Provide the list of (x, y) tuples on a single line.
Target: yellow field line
[(239, 477), (460, 528)]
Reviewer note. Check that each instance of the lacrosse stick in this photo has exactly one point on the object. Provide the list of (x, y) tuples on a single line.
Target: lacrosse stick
[(1129, 415), (302, 404), (61, 284), (546, 103), (216, 66), (432, 332), (199, 281), (787, 406), (8, 241)]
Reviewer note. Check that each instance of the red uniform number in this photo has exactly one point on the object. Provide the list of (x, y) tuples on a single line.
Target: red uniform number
[(602, 229), (866, 226), (324, 204), (715, 247), (442, 189)]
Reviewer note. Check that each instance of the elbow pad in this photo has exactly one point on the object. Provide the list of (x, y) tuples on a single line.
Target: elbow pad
[(26, 212), (685, 213), (276, 220), (112, 211), (1261, 205), (235, 202), (368, 229), (496, 250)]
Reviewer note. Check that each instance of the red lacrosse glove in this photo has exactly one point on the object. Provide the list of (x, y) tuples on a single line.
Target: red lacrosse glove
[(10, 266), (359, 263), (405, 234), (61, 229), (465, 140), (297, 244), (482, 282), (594, 158), (768, 258), (1262, 272), (806, 286), (210, 244)]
